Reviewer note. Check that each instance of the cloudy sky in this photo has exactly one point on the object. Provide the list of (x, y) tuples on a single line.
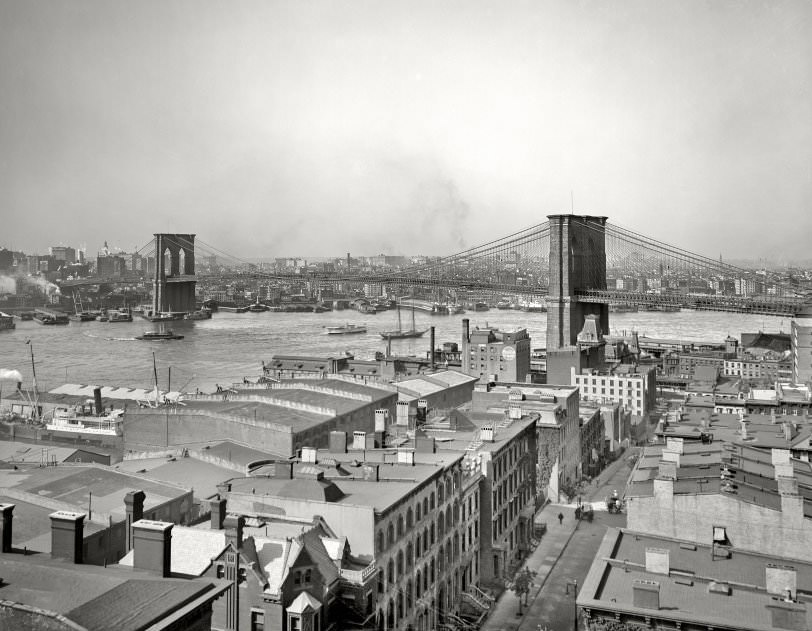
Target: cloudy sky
[(324, 127)]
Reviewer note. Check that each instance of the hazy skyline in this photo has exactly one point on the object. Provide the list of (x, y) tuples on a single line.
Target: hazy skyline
[(282, 128)]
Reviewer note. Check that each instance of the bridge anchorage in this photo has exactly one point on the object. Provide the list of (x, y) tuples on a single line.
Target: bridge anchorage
[(174, 281)]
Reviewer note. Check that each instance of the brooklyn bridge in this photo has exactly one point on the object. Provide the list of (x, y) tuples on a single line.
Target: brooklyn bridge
[(577, 264)]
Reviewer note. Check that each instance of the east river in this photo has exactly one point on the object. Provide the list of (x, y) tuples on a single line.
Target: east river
[(232, 346)]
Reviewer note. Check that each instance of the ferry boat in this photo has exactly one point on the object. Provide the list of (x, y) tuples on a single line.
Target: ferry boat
[(345, 329), (152, 336), (200, 314), (6, 321), (82, 419), (119, 315)]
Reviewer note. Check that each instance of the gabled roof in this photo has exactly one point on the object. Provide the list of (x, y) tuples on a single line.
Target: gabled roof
[(303, 602)]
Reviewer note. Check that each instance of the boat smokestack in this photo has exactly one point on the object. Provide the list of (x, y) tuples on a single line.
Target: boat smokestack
[(431, 350), (97, 400)]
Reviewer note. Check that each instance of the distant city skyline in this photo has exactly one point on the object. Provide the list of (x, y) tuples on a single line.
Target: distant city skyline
[(285, 128)]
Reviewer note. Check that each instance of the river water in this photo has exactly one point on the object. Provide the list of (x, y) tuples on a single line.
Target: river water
[(231, 346)]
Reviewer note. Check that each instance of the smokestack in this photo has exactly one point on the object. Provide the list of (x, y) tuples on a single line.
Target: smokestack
[(431, 350), (348, 260), (465, 330), (97, 400)]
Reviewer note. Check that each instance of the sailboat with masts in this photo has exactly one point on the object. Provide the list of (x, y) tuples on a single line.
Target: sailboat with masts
[(399, 333)]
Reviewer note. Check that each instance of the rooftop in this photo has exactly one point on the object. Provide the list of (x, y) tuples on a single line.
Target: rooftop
[(94, 597), (684, 587), (73, 487)]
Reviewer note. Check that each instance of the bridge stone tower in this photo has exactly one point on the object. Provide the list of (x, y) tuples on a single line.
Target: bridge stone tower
[(174, 282), (577, 261)]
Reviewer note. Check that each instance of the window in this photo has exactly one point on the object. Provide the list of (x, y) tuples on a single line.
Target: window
[(257, 620), (294, 623), (221, 571)]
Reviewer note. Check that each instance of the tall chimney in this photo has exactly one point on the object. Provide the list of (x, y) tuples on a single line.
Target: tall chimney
[(465, 330), (6, 519), (152, 546), (98, 401), (431, 350), (67, 535), (218, 513), (134, 509), (234, 525)]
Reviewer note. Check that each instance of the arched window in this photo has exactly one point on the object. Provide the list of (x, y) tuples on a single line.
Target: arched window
[(390, 535), (409, 595), (400, 605), (448, 521), (456, 512), (433, 577), (448, 553), (400, 563), (380, 541), (409, 518), (426, 505), (431, 500), (425, 540), (448, 489), (390, 572), (409, 555), (418, 586), (440, 561), (440, 525), (418, 512), (456, 545), (440, 493), (432, 533), (400, 526), (426, 576)]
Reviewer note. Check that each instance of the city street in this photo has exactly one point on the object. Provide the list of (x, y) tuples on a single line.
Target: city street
[(563, 556)]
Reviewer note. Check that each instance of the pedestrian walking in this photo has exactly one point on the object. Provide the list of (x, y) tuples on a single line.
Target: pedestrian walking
[(560, 518)]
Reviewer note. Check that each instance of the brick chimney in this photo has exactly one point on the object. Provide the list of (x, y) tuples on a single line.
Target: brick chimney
[(67, 535), (234, 525), (134, 507), (218, 513), (6, 519), (338, 442), (152, 546)]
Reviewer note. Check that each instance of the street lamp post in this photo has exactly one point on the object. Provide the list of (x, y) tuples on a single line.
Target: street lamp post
[(573, 583)]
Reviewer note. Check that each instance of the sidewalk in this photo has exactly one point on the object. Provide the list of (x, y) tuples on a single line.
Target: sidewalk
[(543, 559), (503, 614)]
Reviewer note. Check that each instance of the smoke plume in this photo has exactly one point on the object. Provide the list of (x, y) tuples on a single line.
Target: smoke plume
[(14, 375)]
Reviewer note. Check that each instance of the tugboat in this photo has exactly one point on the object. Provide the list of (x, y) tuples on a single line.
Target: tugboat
[(157, 336)]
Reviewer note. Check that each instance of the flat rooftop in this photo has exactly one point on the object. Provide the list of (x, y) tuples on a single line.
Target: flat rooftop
[(72, 487), (357, 486), (684, 592)]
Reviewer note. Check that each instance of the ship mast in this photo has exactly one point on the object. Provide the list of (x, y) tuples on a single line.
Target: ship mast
[(34, 382), (155, 373)]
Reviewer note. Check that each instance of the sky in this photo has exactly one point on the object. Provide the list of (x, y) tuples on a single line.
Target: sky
[(316, 128)]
